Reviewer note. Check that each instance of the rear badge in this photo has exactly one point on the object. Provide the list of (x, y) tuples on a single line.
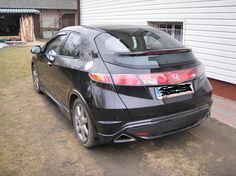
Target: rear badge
[(169, 91)]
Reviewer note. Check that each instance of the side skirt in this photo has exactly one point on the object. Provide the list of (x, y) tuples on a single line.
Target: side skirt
[(65, 110)]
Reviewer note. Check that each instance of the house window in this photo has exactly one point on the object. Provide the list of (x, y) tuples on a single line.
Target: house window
[(175, 29)]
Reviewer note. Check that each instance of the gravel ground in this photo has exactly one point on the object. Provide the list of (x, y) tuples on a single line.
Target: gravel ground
[(36, 139)]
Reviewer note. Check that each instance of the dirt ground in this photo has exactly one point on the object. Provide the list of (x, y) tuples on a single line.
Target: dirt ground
[(36, 139)]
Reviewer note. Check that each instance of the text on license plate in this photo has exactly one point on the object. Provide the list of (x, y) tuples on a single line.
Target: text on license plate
[(168, 91)]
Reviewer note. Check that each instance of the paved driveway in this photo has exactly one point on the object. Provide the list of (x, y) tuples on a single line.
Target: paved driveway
[(36, 139)]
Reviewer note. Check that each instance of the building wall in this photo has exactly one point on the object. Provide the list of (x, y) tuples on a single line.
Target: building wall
[(39, 4), (50, 20), (209, 26)]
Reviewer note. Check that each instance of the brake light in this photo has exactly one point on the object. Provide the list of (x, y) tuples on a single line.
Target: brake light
[(172, 77), (126, 79)]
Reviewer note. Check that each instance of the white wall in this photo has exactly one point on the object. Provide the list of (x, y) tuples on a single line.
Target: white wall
[(209, 26)]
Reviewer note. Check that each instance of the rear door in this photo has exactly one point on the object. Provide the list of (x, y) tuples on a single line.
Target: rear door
[(65, 66)]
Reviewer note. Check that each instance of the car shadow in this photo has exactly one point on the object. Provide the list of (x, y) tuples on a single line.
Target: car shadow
[(56, 110)]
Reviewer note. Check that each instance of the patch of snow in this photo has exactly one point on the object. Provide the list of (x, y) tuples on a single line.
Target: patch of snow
[(2, 45)]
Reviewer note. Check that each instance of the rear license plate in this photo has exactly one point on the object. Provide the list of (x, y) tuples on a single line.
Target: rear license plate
[(169, 91)]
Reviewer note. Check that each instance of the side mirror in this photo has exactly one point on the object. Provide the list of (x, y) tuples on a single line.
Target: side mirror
[(36, 49)]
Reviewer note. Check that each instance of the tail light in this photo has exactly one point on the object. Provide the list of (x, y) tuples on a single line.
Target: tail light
[(100, 77), (171, 77)]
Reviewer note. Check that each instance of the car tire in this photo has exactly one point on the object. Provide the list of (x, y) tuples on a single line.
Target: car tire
[(83, 125), (35, 77)]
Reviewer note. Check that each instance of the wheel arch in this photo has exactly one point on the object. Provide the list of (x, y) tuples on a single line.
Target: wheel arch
[(73, 95), (32, 63)]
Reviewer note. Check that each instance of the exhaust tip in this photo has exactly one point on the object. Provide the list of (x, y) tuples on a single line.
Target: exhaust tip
[(124, 138), (207, 116)]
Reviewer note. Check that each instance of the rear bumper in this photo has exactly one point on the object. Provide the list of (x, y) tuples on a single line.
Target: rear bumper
[(158, 127)]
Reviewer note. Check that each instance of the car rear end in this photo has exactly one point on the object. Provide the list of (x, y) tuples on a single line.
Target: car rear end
[(161, 84)]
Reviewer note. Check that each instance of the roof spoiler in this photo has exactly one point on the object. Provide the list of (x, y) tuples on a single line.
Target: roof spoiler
[(155, 52)]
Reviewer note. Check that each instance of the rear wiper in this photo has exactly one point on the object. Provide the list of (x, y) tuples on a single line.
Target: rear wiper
[(155, 52)]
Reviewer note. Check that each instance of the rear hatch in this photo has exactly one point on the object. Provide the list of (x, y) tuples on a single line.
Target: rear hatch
[(155, 78)]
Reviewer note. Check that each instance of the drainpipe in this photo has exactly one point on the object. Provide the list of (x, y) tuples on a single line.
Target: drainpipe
[(78, 11)]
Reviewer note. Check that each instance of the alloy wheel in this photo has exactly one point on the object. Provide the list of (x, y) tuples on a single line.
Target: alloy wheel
[(35, 78), (81, 123)]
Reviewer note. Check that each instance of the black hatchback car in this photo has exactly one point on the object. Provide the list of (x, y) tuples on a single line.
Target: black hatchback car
[(122, 83)]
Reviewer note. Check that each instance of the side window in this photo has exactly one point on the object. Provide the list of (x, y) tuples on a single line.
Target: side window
[(55, 44), (72, 45)]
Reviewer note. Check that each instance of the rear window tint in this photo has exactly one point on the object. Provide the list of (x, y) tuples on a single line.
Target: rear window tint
[(131, 40)]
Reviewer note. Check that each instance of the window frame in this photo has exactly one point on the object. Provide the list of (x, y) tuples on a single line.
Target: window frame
[(68, 35), (54, 38)]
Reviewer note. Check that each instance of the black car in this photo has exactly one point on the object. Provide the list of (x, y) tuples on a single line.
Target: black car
[(122, 83)]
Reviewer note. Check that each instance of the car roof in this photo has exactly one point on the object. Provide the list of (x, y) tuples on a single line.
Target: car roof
[(83, 30), (120, 27), (105, 28)]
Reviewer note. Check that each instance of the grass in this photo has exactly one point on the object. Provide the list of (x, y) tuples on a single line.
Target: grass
[(35, 138), (14, 64), (14, 70)]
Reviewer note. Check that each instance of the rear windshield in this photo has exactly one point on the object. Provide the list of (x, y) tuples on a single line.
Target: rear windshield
[(135, 40), (125, 47)]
